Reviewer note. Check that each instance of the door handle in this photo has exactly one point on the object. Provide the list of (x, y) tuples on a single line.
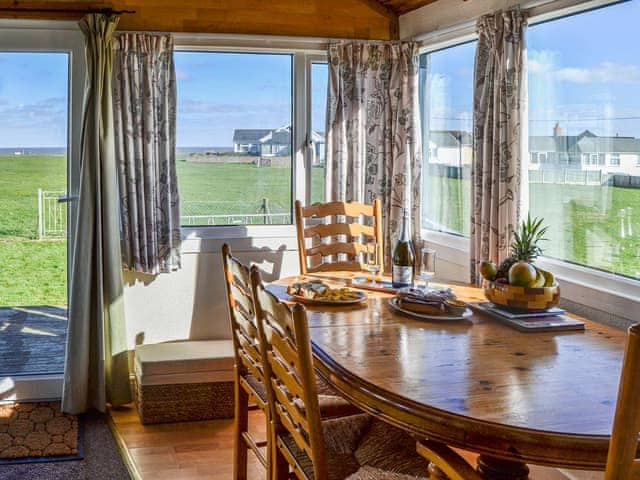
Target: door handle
[(67, 198)]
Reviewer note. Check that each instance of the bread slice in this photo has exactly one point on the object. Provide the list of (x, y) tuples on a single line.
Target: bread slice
[(435, 308)]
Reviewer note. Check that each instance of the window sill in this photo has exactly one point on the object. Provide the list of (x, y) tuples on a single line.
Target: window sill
[(241, 237), (605, 292)]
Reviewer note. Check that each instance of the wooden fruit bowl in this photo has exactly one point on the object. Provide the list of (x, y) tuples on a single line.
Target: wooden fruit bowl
[(522, 298)]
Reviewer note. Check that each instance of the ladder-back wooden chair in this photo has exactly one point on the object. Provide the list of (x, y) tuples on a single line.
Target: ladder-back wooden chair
[(304, 446), (339, 237), (444, 462), (622, 461), (249, 376)]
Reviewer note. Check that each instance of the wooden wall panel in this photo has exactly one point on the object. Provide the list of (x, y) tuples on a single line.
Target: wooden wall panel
[(362, 19)]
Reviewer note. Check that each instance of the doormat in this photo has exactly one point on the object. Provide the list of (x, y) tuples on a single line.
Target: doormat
[(37, 432)]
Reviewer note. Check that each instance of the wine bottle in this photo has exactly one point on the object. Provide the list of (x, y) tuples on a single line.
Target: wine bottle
[(403, 261)]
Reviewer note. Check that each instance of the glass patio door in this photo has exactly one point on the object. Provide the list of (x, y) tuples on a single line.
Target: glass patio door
[(39, 109)]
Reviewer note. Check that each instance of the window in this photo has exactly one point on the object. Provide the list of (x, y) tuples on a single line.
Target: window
[(534, 158), (319, 79), (614, 160), (234, 138), (446, 99), (582, 95)]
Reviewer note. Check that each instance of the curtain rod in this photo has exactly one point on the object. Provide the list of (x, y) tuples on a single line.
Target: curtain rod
[(106, 11)]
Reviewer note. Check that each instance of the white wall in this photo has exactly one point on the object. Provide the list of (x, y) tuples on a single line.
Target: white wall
[(191, 303)]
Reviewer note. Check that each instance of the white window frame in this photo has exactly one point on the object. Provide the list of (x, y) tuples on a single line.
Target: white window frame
[(592, 288), (302, 51), (611, 158), (310, 60), (51, 36)]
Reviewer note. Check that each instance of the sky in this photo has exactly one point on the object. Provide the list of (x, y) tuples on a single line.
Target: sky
[(584, 73)]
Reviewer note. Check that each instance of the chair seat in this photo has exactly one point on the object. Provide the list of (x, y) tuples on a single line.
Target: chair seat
[(331, 404), (371, 473), (362, 448)]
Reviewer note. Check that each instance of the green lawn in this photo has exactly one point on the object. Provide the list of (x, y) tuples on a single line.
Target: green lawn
[(584, 226), (32, 272), (583, 220)]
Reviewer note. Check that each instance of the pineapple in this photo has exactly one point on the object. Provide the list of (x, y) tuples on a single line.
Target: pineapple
[(524, 246)]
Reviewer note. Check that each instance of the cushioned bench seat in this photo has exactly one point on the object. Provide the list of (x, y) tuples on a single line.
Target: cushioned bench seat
[(184, 381)]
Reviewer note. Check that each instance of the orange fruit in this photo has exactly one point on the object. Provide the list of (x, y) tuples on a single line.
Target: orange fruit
[(522, 274)]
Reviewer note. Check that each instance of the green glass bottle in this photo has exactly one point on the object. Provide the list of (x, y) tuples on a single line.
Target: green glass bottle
[(403, 260)]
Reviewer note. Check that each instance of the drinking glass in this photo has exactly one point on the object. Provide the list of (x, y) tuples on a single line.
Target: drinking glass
[(373, 254), (427, 265)]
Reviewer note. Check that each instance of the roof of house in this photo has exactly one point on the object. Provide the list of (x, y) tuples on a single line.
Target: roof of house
[(586, 142), (251, 135), (281, 136), (450, 138)]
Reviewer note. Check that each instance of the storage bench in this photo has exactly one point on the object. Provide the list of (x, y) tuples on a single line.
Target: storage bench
[(184, 381)]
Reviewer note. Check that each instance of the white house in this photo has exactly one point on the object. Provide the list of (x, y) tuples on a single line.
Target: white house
[(275, 142), (586, 152)]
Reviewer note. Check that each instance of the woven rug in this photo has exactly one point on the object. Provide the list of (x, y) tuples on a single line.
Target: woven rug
[(37, 432), (102, 460)]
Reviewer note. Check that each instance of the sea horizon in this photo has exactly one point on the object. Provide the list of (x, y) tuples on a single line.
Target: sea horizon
[(63, 150)]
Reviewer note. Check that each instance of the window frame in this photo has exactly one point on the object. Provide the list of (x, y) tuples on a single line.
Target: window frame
[(311, 59), (597, 290), (62, 37), (615, 156), (429, 48), (303, 51)]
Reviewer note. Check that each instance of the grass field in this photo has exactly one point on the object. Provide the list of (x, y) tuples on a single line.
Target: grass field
[(584, 223), (32, 272)]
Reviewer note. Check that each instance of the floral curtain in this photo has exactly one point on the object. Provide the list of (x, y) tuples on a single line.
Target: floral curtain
[(96, 364), (373, 131), (144, 94), (497, 182)]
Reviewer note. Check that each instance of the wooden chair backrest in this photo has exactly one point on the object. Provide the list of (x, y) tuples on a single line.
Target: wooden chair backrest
[(244, 329), (289, 374), (622, 461), (345, 227)]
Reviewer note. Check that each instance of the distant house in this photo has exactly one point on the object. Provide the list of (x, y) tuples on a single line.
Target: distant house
[(451, 148), (586, 151), (274, 142), (248, 140)]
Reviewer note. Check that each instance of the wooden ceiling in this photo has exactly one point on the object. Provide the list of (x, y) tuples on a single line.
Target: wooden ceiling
[(358, 19), (403, 6)]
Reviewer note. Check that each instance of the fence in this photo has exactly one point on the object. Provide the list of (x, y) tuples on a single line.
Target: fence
[(569, 176), (196, 213), (52, 215)]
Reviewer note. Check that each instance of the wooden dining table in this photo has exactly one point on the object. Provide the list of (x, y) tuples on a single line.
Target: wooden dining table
[(477, 384)]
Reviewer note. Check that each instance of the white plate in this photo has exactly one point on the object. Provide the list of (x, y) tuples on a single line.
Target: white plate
[(312, 301), (425, 316)]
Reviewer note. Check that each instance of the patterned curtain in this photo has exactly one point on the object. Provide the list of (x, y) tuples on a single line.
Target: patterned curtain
[(373, 131), (497, 137), (96, 366), (144, 94)]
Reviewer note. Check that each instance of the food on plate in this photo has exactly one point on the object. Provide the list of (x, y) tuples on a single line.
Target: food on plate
[(442, 302), (318, 290)]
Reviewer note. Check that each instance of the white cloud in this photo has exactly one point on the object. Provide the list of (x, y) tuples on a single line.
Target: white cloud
[(545, 63), (194, 107), (605, 72)]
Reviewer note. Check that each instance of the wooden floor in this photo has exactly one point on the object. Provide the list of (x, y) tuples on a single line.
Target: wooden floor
[(32, 340), (204, 450)]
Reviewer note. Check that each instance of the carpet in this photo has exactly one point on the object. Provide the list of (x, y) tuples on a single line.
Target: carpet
[(102, 460), (36, 430)]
